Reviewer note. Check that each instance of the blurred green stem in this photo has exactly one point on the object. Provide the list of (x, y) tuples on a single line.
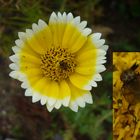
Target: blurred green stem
[(102, 119), (62, 8)]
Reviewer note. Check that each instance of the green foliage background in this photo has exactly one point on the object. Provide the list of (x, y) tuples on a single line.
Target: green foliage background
[(19, 118)]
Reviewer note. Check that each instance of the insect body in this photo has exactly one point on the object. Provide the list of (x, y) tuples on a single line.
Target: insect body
[(63, 65), (131, 85)]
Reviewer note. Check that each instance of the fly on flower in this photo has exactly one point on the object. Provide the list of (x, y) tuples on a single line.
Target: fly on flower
[(58, 63), (131, 82)]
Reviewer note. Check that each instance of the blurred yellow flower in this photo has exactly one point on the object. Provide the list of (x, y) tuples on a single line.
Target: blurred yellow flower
[(126, 116), (59, 63)]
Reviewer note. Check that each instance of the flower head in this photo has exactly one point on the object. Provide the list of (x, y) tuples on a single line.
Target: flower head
[(58, 63)]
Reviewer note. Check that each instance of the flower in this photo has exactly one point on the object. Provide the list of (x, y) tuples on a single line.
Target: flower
[(126, 123), (58, 63)]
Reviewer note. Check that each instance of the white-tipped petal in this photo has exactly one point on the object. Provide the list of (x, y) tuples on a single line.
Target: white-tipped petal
[(14, 74), (93, 83), (76, 21), (86, 31), (74, 106), (42, 24), (16, 49), (82, 25), (19, 43), (66, 101), (101, 52), (69, 17), (101, 61), (50, 108), (21, 77), (98, 77), (64, 17), (51, 101), (14, 58), (60, 17), (13, 66), (88, 98), (58, 104), (53, 18), (29, 33), (35, 28), (87, 87), (22, 35), (105, 47), (99, 58), (99, 43), (24, 85), (43, 100), (80, 101), (96, 36), (100, 68), (36, 97), (28, 92)]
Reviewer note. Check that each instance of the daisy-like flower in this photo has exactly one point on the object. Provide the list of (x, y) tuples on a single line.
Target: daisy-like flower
[(58, 63)]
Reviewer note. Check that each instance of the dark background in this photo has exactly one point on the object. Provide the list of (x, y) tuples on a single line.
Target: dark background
[(117, 20)]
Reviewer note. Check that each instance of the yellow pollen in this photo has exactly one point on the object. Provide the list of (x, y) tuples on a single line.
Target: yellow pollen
[(57, 63)]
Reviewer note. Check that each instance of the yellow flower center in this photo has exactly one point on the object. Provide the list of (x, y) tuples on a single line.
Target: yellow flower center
[(57, 63)]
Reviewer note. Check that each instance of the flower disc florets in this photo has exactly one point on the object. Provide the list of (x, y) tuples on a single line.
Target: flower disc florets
[(58, 64)]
